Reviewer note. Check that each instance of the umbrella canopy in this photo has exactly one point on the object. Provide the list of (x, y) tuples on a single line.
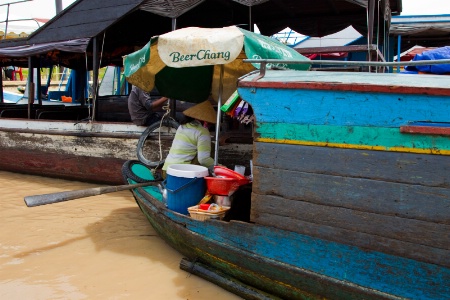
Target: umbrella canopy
[(193, 64), (185, 64)]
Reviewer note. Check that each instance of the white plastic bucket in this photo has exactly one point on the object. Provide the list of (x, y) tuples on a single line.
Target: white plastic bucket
[(187, 170), (185, 185)]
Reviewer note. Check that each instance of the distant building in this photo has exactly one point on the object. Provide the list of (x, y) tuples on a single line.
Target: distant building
[(425, 31), (290, 37), (344, 37)]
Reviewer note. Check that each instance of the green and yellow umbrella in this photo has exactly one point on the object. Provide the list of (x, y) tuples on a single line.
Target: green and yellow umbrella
[(185, 64), (192, 64)]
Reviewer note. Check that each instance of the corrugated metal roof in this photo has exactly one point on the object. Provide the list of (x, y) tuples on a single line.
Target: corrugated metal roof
[(122, 26), (425, 31)]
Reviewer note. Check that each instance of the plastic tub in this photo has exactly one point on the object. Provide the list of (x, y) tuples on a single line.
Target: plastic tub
[(223, 171), (221, 185), (185, 185)]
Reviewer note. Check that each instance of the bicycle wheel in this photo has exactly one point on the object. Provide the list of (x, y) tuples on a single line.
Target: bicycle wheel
[(155, 139)]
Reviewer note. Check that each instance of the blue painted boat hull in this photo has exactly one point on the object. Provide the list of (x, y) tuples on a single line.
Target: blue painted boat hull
[(351, 190), (287, 264)]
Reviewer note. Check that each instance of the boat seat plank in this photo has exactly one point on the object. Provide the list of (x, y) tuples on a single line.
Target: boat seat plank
[(53, 112), (62, 115), (113, 109), (12, 105), (49, 108), (16, 113)]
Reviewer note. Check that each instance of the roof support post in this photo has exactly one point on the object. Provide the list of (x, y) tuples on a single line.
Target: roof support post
[(95, 67), (30, 85), (1, 92), (174, 24), (58, 6), (38, 83), (173, 102), (370, 28), (371, 14), (250, 24), (399, 50)]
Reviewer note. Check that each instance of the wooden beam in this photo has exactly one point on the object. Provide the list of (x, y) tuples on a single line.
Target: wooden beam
[(370, 26), (333, 49), (433, 130)]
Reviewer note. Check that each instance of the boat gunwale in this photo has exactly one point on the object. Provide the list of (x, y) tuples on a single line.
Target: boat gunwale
[(77, 134), (80, 128), (347, 289), (339, 86)]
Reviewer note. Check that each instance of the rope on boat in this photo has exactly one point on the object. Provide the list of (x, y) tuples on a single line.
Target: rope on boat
[(167, 113), (165, 121)]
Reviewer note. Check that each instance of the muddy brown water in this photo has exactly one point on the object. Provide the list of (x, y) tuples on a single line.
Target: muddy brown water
[(99, 247)]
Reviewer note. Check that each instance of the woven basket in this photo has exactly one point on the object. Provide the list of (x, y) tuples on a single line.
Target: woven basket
[(202, 215)]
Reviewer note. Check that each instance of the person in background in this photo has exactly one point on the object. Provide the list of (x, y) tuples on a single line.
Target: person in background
[(143, 108), (9, 72), (192, 141)]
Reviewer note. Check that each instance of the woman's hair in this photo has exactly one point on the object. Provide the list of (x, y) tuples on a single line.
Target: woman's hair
[(185, 119)]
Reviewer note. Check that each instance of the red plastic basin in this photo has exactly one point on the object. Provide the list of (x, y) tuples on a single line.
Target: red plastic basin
[(223, 171), (222, 186)]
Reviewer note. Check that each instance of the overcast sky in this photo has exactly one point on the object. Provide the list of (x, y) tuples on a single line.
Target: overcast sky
[(46, 8)]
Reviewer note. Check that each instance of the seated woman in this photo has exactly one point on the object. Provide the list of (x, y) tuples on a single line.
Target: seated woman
[(192, 142)]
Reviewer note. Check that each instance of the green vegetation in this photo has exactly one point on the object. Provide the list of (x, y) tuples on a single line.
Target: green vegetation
[(56, 76)]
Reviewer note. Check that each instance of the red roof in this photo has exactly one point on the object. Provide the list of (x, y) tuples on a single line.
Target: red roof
[(409, 55)]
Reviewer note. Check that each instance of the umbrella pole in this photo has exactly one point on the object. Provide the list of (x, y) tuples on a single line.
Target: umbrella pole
[(219, 104), (174, 24)]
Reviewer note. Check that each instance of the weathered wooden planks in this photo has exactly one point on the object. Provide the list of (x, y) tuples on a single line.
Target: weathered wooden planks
[(383, 218), (366, 242), (370, 199), (292, 265), (92, 152), (344, 108), (427, 170)]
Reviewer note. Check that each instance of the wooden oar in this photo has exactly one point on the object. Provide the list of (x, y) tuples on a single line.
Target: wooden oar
[(37, 200)]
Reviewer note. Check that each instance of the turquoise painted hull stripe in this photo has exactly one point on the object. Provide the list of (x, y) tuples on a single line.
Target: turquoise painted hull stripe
[(391, 274), (145, 173), (344, 108), (388, 139)]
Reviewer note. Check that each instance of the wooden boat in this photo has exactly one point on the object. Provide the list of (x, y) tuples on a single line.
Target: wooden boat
[(350, 196), (91, 152), (56, 143), (67, 150)]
